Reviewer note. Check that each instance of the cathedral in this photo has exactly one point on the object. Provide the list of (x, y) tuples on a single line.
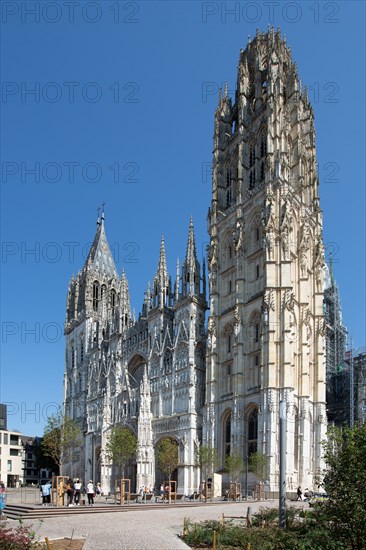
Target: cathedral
[(210, 366)]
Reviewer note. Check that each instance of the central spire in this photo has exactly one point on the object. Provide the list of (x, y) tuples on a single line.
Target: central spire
[(161, 285)]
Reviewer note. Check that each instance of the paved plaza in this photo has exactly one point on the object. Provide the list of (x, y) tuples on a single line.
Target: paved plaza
[(148, 528)]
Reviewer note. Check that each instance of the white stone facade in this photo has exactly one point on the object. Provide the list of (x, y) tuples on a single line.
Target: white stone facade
[(166, 374)]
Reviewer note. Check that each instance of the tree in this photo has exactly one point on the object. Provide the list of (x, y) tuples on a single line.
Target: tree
[(234, 464), (168, 457), (61, 436), (257, 465), (207, 460), (43, 461), (121, 446), (344, 512)]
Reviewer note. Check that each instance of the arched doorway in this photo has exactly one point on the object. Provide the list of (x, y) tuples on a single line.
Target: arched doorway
[(166, 460)]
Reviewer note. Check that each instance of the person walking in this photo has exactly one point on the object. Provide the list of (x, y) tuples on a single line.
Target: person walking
[(46, 493), (90, 492), (299, 493), (77, 487)]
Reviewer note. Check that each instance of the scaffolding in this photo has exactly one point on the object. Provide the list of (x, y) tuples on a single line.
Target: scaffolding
[(339, 373)]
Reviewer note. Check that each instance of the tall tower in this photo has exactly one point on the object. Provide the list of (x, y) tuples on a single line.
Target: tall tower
[(266, 264)]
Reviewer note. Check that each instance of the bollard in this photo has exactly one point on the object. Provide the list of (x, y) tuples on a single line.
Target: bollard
[(195, 535), (214, 541), (249, 516), (223, 520), (248, 546)]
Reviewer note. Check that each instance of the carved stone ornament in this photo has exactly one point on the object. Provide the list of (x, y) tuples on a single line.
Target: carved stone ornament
[(268, 300)]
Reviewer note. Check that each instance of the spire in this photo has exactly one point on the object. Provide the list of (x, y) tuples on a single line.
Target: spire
[(125, 303), (100, 257), (331, 270), (191, 256), (191, 266), (177, 281), (161, 279)]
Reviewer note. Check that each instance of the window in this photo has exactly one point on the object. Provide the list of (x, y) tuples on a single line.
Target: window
[(263, 146), (72, 357), (9, 466), (81, 350), (257, 233), (251, 155), (95, 296), (257, 271), (252, 432), (227, 436), (113, 300), (252, 179), (5, 439), (14, 452), (229, 343), (230, 287), (256, 332), (262, 171)]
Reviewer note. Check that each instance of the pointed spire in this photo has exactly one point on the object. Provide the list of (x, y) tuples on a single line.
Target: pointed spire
[(161, 279), (125, 303), (100, 257), (162, 258), (331, 270), (191, 266), (191, 256), (177, 282)]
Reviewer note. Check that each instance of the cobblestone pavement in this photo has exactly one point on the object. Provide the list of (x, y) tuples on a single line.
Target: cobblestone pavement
[(150, 529)]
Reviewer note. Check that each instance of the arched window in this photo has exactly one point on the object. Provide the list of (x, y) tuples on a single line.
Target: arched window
[(72, 356), (251, 155), (263, 145), (227, 436), (103, 292), (81, 350), (95, 295), (262, 170), (113, 300), (252, 431)]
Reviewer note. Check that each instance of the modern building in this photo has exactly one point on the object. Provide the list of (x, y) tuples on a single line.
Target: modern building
[(168, 375), (11, 458), (18, 461)]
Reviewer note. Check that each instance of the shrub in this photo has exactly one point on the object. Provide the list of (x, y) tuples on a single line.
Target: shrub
[(18, 538)]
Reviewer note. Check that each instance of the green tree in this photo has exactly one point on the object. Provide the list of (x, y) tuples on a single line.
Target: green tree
[(257, 465), (344, 512), (168, 457), (61, 439), (207, 460), (234, 464), (43, 461), (121, 446)]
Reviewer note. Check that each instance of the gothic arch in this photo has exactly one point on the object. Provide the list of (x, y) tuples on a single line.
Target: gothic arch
[(226, 434), (251, 425), (136, 367), (227, 254)]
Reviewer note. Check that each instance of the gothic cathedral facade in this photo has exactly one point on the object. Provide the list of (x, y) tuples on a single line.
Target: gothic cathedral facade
[(217, 381)]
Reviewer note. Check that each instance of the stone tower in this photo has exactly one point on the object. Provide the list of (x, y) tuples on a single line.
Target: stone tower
[(266, 269)]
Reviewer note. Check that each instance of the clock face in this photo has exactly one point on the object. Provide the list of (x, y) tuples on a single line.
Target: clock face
[(104, 246)]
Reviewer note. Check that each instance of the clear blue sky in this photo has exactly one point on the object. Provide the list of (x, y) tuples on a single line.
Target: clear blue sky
[(135, 89)]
